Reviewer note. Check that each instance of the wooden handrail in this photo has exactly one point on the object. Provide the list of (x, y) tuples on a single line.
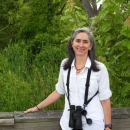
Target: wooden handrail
[(49, 120)]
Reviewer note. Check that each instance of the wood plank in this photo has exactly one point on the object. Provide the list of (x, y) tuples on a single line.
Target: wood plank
[(38, 116), (7, 128), (49, 120), (6, 115), (6, 122), (121, 124), (120, 113), (38, 126)]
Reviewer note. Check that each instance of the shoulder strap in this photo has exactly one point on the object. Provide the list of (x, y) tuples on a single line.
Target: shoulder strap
[(86, 101), (87, 86), (67, 84)]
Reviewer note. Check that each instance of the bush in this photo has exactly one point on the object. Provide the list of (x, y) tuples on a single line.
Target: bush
[(25, 83)]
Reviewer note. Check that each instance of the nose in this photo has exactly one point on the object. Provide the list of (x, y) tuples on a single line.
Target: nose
[(81, 44)]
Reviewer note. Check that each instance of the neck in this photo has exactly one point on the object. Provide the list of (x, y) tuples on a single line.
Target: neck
[(79, 61)]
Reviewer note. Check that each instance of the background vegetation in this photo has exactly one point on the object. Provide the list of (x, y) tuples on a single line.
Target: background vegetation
[(33, 37)]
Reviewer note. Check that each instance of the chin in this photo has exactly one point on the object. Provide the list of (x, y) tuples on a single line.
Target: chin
[(81, 54)]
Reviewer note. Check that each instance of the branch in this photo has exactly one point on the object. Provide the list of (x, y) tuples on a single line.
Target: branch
[(58, 13), (89, 10), (99, 9), (4, 28), (94, 4)]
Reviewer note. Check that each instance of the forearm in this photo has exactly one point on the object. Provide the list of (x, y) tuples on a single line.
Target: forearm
[(107, 110), (54, 96)]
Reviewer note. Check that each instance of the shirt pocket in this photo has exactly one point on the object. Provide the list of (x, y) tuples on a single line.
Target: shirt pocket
[(72, 84), (93, 87)]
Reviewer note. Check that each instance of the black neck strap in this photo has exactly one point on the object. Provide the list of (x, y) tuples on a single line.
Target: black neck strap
[(87, 86), (67, 84), (86, 101)]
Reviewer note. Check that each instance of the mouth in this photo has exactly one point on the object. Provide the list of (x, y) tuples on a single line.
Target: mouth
[(80, 50)]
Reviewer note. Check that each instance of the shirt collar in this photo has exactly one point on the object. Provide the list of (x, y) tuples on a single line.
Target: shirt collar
[(87, 64)]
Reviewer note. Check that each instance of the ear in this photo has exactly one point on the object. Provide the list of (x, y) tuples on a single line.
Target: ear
[(90, 46)]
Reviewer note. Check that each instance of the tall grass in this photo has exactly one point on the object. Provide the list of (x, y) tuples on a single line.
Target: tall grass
[(25, 82)]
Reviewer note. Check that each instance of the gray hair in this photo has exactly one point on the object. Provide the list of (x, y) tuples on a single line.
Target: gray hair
[(91, 53), (86, 30)]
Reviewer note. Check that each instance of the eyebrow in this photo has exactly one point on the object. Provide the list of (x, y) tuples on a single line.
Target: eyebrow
[(83, 40)]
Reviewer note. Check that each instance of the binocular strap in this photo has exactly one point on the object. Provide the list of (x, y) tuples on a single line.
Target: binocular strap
[(86, 101)]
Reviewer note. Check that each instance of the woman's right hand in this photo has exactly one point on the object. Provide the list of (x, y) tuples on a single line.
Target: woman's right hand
[(34, 109)]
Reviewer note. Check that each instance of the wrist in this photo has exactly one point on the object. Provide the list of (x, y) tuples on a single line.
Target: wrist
[(107, 129), (108, 126), (38, 108)]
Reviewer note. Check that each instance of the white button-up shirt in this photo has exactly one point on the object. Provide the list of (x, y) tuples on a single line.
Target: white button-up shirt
[(98, 81)]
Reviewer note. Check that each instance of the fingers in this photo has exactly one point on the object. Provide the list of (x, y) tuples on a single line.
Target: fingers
[(31, 110), (27, 111)]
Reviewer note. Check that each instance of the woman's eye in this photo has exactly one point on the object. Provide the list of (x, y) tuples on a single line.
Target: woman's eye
[(77, 40), (85, 41)]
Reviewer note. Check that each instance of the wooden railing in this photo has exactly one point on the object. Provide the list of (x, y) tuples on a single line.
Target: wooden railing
[(49, 120)]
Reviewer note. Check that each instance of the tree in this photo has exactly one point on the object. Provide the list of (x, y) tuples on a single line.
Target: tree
[(112, 36), (91, 7), (7, 30)]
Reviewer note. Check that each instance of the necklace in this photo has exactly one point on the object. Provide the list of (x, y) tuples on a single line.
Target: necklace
[(78, 70)]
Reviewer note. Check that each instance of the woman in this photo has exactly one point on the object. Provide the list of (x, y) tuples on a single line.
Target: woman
[(96, 115)]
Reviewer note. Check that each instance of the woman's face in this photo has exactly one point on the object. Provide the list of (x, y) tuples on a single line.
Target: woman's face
[(81, 44)]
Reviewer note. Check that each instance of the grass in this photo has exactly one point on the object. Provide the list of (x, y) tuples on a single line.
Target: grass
[(25, 83)]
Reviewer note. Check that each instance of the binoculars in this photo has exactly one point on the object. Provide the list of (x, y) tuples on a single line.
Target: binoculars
[(75, 120)]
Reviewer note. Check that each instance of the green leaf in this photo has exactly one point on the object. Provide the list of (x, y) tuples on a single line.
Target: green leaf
[(107, 38), (119, 1), (78, 8), (126, 43), (102, 14)]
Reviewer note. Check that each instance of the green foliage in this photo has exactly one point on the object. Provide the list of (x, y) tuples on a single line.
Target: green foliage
[(32, 65), (47, 64), (13, 72), (7, 29), (38, 23), (29, 68), (73, 17), (113, 45), (24, 84)]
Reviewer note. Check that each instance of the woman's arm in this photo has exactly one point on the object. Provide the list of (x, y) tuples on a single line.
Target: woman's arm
[(107, 111), (54, 96)]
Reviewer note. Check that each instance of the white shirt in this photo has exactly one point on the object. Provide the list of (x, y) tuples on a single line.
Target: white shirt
[(98, 81)]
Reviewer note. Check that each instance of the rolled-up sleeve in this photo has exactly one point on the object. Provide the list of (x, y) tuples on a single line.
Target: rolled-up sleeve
[(104, 85), (60, 84)]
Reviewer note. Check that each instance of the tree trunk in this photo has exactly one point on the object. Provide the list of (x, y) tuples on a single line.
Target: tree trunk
[(90, 8)]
